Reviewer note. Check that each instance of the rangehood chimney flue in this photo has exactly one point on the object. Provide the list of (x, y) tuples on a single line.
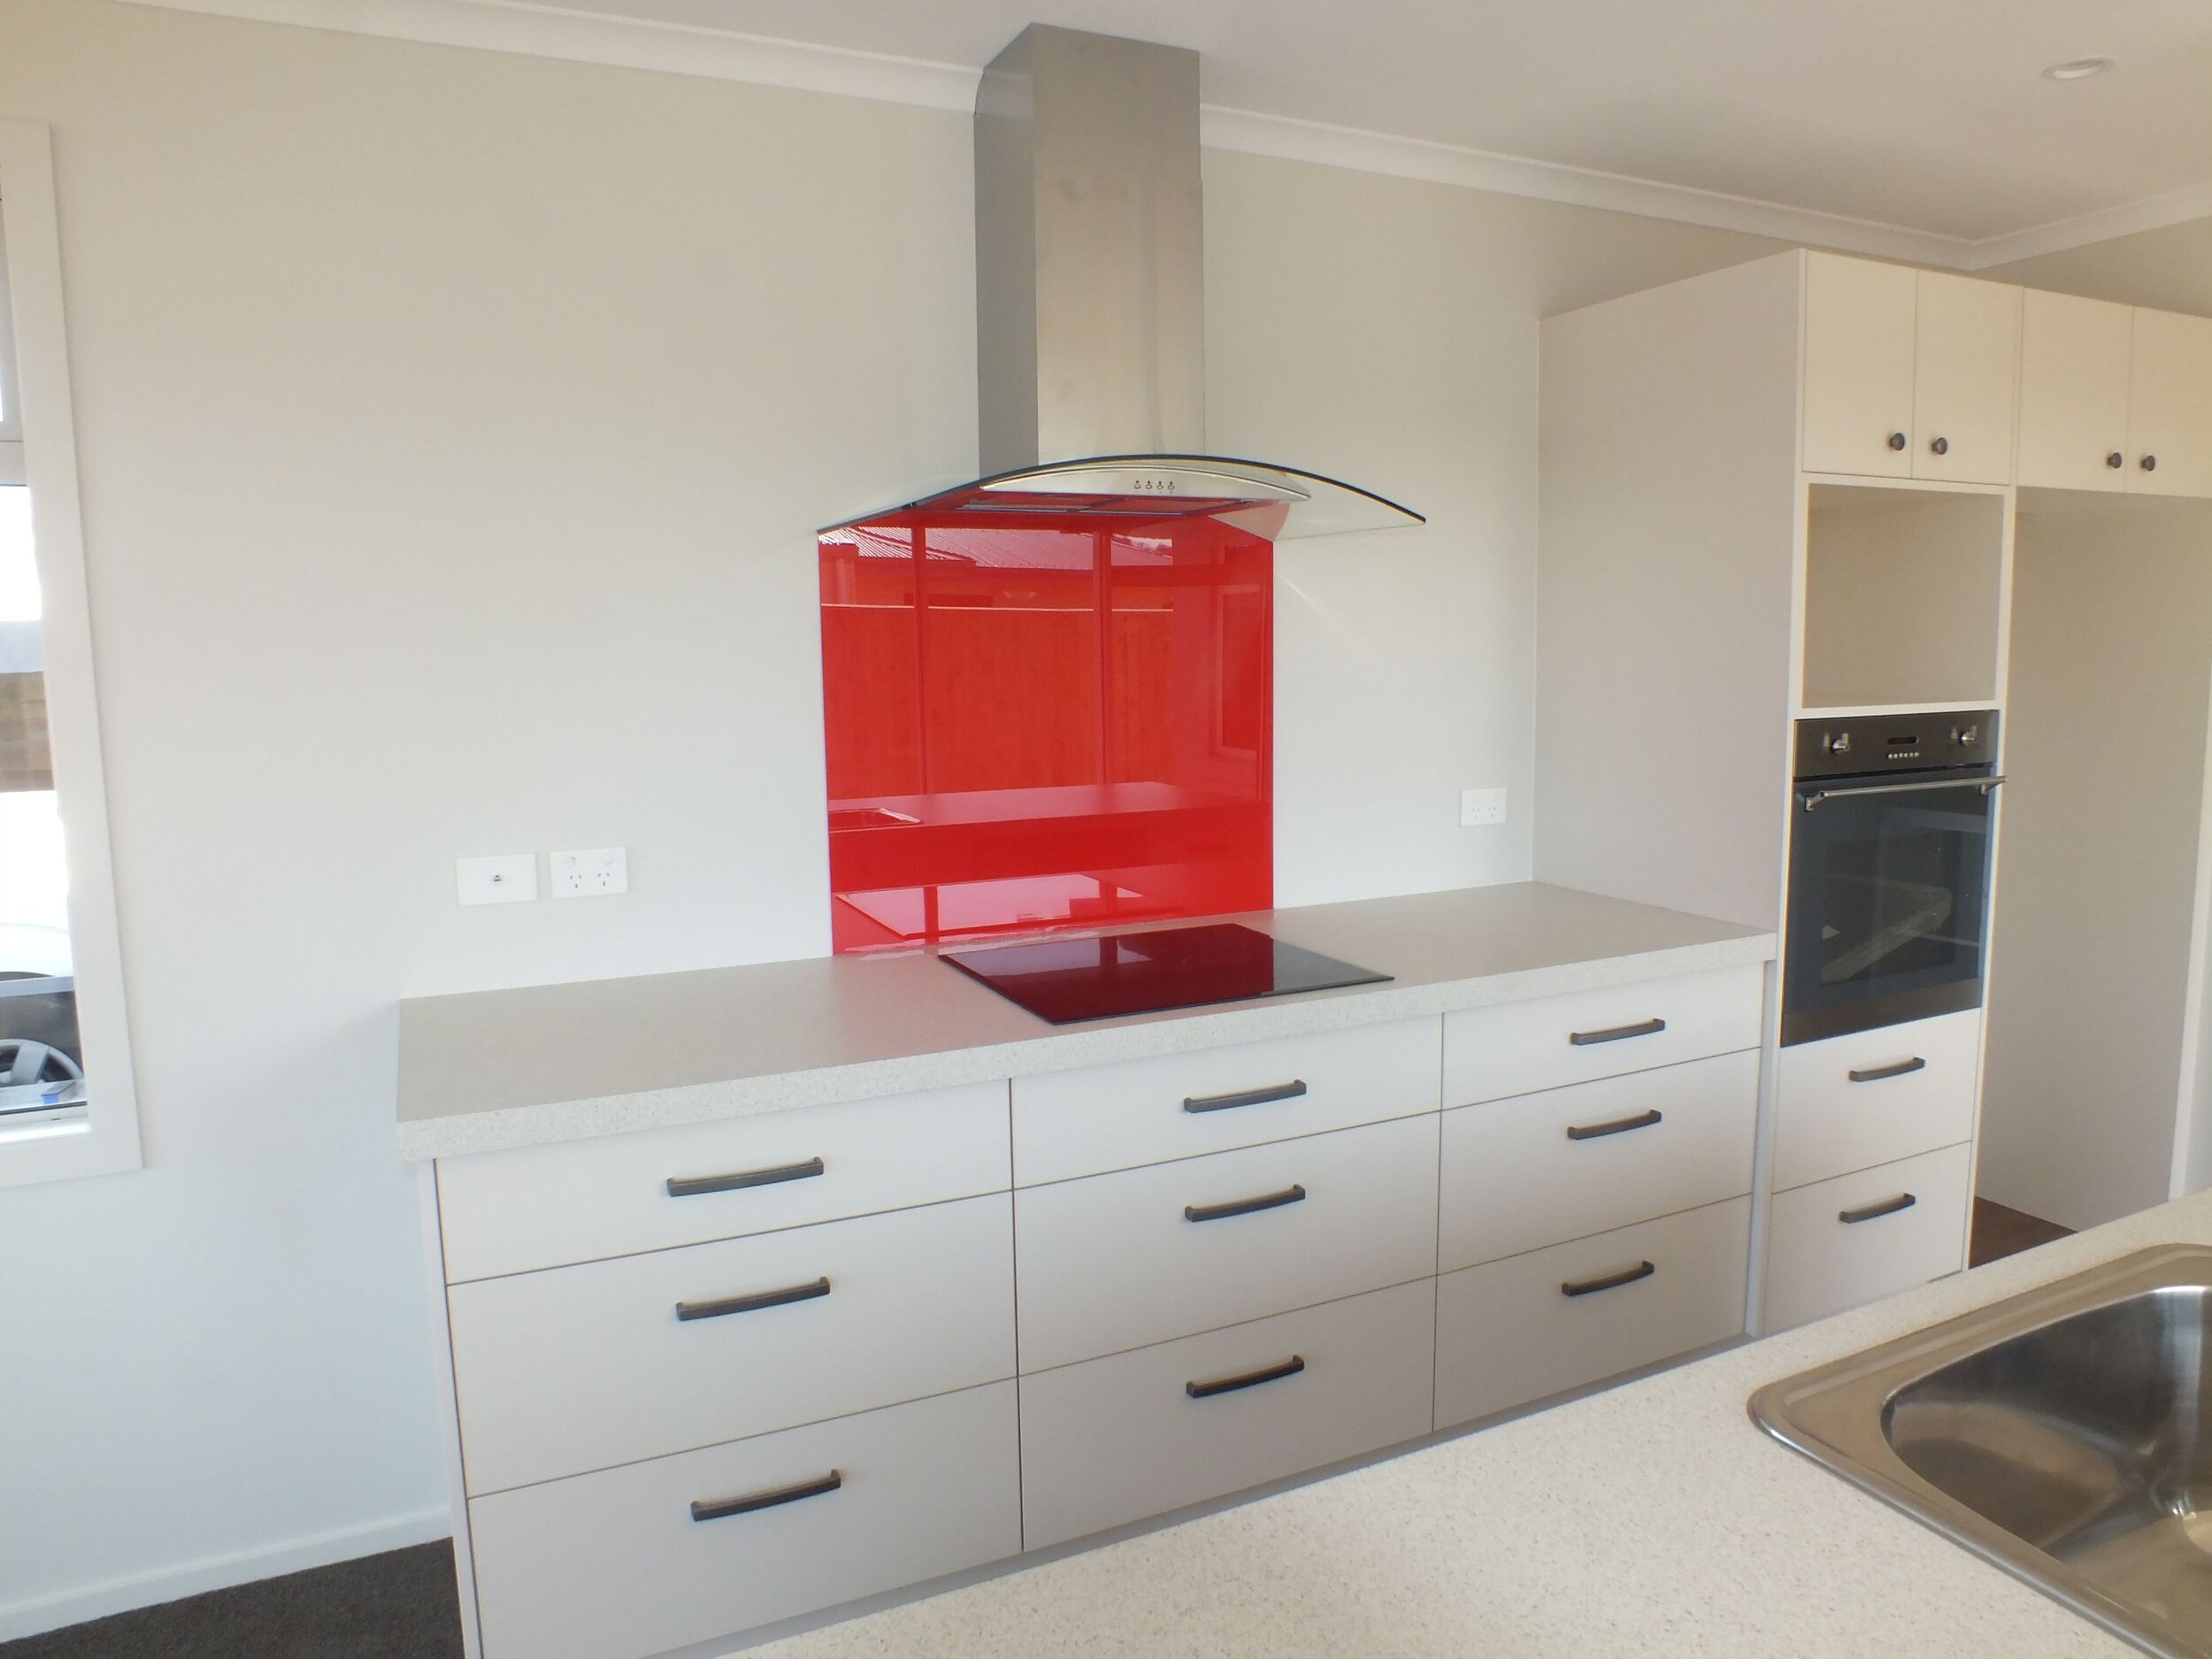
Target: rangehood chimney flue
[(1091, 304), (1090, 259)]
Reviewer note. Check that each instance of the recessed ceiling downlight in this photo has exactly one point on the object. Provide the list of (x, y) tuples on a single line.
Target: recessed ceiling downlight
[(2077, 69)]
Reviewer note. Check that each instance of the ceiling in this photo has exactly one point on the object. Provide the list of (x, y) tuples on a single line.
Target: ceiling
[(1933, 119)]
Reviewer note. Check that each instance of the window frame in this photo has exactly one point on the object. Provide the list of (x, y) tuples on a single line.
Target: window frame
[(41, 434)]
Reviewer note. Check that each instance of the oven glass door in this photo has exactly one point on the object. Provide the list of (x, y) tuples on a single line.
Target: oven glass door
[(1888, 904)]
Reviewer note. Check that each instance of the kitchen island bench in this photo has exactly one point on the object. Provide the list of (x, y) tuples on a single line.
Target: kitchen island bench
[(733, 1330)]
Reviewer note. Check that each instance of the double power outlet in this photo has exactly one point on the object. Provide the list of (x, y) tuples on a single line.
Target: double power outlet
[(1477, 807), (512, 878)]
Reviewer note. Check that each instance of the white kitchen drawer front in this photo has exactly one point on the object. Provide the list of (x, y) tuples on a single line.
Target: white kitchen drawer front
[(1537, 1325), (1141, 1434), (1068, 1124), (1541, 1168), (579, 1368), (580, 1201), (1875, 1096), (613, 1565), (1838, 1243), (1114, 1262), (1519, 1048)]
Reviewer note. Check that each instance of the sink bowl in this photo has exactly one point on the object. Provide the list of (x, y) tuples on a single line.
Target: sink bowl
[(2064, 1435)]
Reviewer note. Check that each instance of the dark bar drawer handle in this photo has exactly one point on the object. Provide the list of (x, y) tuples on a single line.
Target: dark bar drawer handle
[(753, 1303), (718, 1508), (1291, 1090), (1648, 1028), (1874, 1212), (1611, 1281), (1618, 1126), (1291, 1194), (1290, 1367), (694, 1186), (1903, 1068)]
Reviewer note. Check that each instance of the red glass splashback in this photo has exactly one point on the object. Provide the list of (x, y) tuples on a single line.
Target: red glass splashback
[(1054, 722)]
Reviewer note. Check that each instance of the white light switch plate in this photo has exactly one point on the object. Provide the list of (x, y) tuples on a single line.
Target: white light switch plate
[(1481, 806), (503, 878), (587, 874)]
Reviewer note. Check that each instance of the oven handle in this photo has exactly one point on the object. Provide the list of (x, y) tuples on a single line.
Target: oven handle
[(1814, 797)]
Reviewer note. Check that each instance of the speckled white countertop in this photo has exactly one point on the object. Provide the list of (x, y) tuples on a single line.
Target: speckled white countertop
[(1655, 1518), (487, 1071)]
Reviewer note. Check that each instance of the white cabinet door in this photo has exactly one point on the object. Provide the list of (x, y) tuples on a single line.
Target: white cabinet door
[(1540, 1169), (621, 1563), (1859, 352), (1872, 1097), (1965, 375), (2169, 405), (1836, 1244), (1117, 1261), (2074, 370), (1135, 1435), (1537, 1325), (580, 1368)]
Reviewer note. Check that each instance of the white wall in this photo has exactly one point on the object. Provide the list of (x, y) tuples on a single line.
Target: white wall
[(2106, 716), (453, 428), (2168, 270)]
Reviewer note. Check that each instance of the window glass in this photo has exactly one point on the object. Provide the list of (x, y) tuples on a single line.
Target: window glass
[(40, 1052)]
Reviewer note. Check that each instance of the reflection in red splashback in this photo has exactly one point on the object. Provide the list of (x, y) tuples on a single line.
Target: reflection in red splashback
[(1054, 722)]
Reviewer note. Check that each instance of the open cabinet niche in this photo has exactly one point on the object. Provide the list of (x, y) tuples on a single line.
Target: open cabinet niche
[(2094, 1096), (1904, 597)]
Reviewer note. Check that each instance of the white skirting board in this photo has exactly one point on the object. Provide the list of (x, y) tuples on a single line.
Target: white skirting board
[(219, 1572)]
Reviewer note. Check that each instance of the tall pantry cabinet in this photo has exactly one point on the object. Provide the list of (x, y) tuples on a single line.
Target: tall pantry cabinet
[(1789, 490), (1770, 493)]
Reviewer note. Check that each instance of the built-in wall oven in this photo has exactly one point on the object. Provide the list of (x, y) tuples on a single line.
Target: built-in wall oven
[(1891, 832)]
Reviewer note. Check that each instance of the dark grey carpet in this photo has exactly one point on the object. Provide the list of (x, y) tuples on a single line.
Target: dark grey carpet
[(400, 1605)]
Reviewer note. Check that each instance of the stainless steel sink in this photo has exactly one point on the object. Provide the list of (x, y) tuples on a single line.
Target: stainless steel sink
[(2064, 1434)]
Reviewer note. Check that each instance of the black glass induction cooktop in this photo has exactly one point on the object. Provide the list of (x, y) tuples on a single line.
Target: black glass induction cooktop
[(1064, 980)]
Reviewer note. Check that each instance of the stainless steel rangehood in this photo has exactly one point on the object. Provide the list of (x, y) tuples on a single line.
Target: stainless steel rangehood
[(1090, 303)]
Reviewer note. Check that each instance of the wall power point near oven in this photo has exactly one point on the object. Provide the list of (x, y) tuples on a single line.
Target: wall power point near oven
[(1477, 807)]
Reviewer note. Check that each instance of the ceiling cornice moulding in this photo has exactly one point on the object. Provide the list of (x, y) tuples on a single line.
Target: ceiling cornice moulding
[(1292, 140), (2155, 212), (539, 30), (583, 37)]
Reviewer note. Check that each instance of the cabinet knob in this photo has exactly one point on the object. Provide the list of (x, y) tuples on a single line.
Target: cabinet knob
[(1941, 446), (1897, 441), (2150, 463), (2113, 459)]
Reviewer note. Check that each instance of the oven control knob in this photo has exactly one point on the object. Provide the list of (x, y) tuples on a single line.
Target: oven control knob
[(1840, 744), (1966, 736)]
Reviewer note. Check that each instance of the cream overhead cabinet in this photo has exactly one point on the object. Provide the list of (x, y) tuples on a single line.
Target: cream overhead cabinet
[(1907, 373), (2114, 397), (711, 1379)]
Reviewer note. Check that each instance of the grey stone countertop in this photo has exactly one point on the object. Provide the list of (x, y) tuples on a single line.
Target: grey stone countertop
[(490, 1071), (1654, 1518)]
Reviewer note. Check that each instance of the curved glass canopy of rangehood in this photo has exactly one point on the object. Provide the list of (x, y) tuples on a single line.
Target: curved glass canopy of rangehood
[(1278, 502)]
